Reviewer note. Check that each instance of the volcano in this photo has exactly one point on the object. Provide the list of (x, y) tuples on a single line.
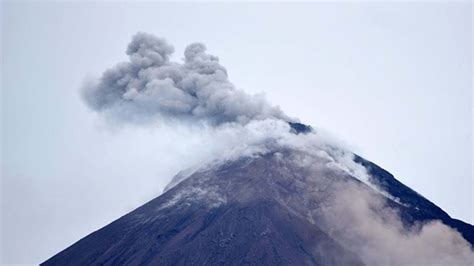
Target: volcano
[(280, 206)]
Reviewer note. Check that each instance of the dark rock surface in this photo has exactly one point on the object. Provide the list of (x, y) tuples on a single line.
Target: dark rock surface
[(247, 211), (299, 128)]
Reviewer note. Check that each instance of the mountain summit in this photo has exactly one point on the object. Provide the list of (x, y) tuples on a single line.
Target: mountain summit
[(280, 192), (282, 205)]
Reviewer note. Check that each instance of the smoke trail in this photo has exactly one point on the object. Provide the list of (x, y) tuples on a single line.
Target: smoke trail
[(150, 86)]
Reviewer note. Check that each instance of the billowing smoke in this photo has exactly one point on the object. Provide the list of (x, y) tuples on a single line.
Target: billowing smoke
[(365, 224), (150, 86)]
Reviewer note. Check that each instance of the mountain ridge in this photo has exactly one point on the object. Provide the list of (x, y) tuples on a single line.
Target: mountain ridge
[(265, 209)]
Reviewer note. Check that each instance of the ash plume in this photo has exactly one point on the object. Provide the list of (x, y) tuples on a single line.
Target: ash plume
[(149, 86), (359, 215)]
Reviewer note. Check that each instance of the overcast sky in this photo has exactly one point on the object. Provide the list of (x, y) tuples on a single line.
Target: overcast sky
[(393, 81)]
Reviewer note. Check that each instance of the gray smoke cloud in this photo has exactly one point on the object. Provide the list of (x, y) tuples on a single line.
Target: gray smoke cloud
[(150, 86), (377, 234)]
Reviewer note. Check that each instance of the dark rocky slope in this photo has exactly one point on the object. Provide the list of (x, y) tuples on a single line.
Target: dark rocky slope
[(261, 210)]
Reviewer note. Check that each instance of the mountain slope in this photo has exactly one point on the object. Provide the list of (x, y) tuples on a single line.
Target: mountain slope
[(420, 208), (267, 209)]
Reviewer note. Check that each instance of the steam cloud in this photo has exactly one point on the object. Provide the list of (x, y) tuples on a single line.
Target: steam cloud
[(149, 86)]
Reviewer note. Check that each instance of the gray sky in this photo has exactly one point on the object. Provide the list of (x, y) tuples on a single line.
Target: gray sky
[(391, 80)]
